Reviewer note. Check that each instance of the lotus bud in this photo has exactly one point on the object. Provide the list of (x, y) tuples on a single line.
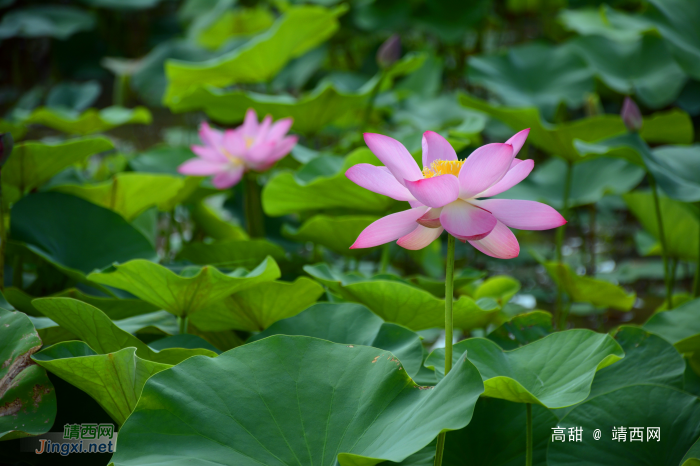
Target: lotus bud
[(389, 52), (631, 115)]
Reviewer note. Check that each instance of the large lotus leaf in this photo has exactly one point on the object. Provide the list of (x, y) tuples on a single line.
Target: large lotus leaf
[(522, 329), (496, 435), (115, 308), (591, 180), (681, 222), (605, 22), (672, 127), (352, 324), (648, 359), (160, 323), (299, 30), (235, 23), (692, 458), (293, 400), (285, 194), (676, 20), (641, 66), (259, 306), (27, 397), (102, 335), (34, 163), (324, 105), (675, 413), (583, 289), (679, 326), (129, 194), (56, 21), (534, 75), (462, 278), (75, 235), (73, 95), (231, 253), (90, 121), (407, 305), (335, 233), (554, 372), (180, 295), (675, 168), (498, 287), (114, 379)]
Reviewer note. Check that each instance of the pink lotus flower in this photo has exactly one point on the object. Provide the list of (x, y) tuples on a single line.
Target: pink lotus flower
[(229, 154), (448, 194)]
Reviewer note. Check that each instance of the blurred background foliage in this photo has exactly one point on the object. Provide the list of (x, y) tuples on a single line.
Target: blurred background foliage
[(145, 73)]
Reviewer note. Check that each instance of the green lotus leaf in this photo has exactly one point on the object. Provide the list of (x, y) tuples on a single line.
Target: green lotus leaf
[(335, 233), (159, 323), (50, 332), (675, 168), (129, 193), (496, 435), (499, 287), (679, 326), (674, 412), (555, 371), (34, 163), (648, 359), (214, 226), (407, 305), (284, 194), (113, 379), (123, 4), (591, 180), (257, 307), (231, 253), (324, 105), (299, 30), (692, 458), (462, 279), (681, 223), (75, 235), (90, 121), (604, 21), (522, 329), (27, 396), (183, 296), (534, 75), (104, 336), (675, 20), (75, 96), (57, 21), (115, 308), (354, 324), (352, 405), (641, 66), (559, 139), (583, 289), (235, 23)]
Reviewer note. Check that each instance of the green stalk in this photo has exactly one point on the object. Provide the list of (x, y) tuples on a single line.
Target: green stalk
[(662, 239), (384, 263), (253, 207), (449, 293), (528, 435), (182, 323), (560, 242)]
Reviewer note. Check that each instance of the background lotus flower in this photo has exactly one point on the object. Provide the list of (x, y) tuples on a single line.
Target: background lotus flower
[(228, 154), (449, 194)]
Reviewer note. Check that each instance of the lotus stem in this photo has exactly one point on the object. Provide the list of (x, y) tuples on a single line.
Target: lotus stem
[(384, 264), (253, 207), (560, 242), (696, 285), (182, 322), (528, 435), (449, 293), (662, 239)]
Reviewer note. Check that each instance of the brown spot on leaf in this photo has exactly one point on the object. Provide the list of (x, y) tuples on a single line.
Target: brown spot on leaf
[(22, 362), (375, 359), (38, 392), (11, 408)]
